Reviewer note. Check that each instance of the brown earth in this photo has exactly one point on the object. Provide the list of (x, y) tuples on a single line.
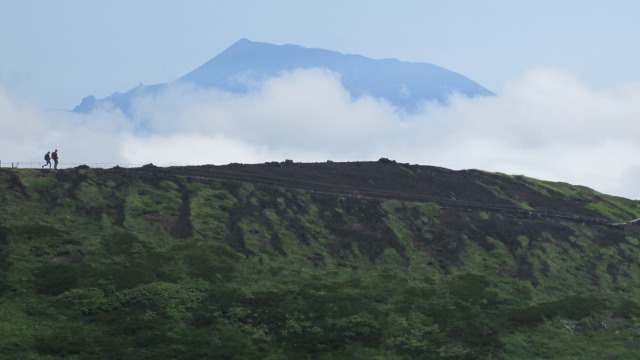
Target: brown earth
[(388, 179)]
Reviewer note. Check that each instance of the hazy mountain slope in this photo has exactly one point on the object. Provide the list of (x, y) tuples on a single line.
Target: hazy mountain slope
[(313, 261), (406, 85)]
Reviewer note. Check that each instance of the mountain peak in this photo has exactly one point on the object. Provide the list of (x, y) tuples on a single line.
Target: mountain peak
[(405, 85)]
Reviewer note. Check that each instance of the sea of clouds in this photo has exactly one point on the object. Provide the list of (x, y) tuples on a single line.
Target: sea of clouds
[(546, 124)]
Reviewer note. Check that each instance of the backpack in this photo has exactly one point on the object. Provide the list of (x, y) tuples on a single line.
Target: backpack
[(46, 157)]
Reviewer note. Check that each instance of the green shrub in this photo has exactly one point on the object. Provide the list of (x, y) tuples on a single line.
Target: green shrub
[(119, 243), (39, 185), (85, 301), (56, 278), (524, 206), (472, 289), (627, 308), (609, 211), (573, 307), (71, 340)]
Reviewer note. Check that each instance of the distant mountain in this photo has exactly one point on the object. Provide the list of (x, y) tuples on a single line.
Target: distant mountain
[(406, 85)]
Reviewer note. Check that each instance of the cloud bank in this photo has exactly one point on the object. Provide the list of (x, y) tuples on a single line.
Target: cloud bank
[(546, 124)]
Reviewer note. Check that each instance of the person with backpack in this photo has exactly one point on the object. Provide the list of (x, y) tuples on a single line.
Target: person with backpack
[(54, 156), (47, 158)]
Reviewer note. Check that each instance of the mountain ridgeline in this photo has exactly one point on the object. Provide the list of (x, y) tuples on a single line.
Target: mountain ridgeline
[(284, 260), (405, 85)]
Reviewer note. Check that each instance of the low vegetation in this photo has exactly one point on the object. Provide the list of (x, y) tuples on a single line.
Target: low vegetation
[(99, 264)]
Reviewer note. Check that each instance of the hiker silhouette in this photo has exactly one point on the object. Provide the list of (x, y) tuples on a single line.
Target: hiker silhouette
[(47, 158), (54, 156)]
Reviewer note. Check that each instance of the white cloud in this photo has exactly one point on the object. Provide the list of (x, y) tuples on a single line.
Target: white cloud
[(26, 133), (306, 110), (190, 148), (547, 124)]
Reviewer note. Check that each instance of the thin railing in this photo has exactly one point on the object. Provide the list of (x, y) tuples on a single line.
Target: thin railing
[(62, 165)]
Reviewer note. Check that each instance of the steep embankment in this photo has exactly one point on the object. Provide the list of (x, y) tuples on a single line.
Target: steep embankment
[(332, 260)]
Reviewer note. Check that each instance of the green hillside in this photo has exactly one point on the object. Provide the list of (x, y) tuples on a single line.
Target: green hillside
[(314, 261)]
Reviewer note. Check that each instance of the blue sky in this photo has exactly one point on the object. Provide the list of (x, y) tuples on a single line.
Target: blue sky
[(56, 52), (566, 74)]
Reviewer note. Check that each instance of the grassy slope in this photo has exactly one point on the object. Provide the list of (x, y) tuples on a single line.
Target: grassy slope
[(97, 264)]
